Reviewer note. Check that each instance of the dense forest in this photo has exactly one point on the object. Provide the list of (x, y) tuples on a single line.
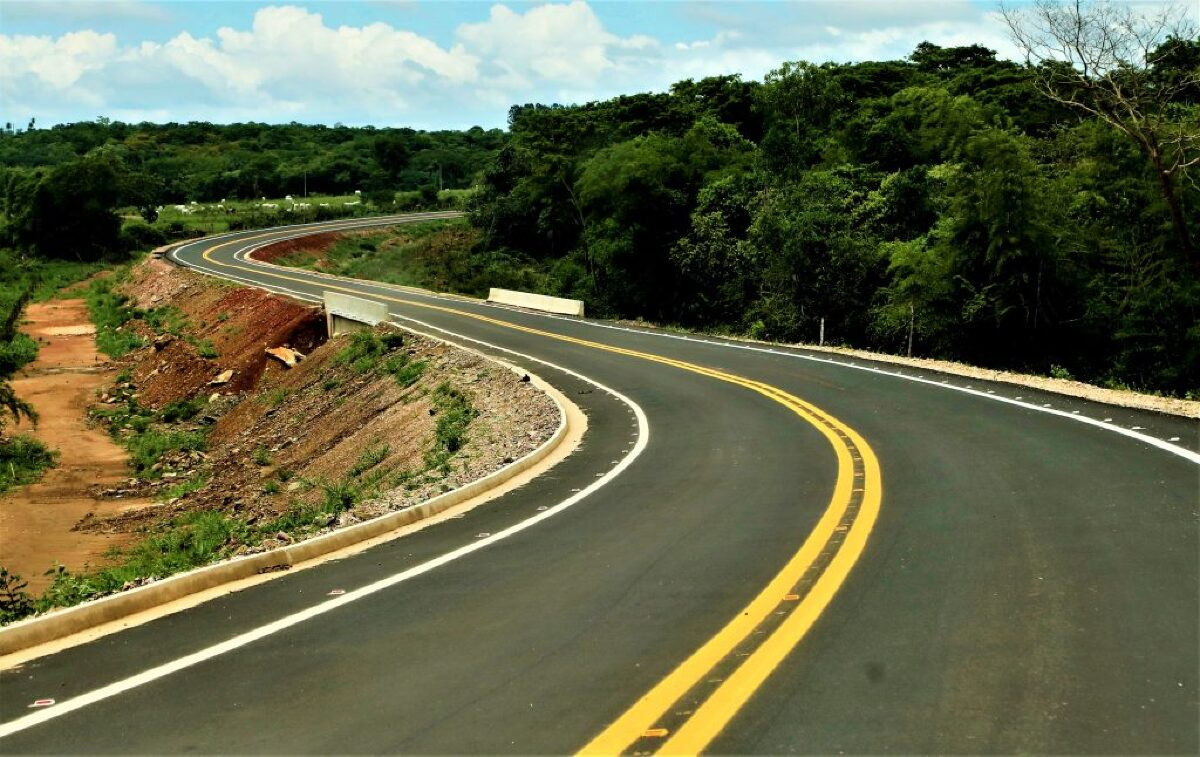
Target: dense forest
[(952, 204), (942, 204), (209, 162)]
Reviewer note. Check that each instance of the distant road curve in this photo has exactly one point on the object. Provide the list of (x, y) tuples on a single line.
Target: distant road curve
[(785, 552)]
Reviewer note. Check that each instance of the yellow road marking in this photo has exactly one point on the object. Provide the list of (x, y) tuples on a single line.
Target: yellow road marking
[(715, 713)]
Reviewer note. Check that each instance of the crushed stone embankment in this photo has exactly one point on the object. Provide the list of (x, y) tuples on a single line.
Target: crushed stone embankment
[(234, 452)]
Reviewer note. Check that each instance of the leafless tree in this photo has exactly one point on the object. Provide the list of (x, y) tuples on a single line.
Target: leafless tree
[(1103, 59)]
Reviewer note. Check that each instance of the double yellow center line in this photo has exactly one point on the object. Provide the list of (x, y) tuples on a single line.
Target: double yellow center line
[(688, 708)]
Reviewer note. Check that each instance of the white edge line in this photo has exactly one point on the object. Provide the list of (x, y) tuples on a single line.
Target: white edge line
[(249, 637), (789, 352), (1174, 449)]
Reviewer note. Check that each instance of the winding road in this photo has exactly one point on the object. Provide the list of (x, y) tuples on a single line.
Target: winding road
[(755, 550)]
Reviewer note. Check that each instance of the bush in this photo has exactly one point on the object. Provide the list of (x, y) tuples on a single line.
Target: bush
[(15, 602), (22, 460), (18, 352), (138, 236)]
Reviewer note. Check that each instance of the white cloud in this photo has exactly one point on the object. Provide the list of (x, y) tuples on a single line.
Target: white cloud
[(554, 44), (291, 63), (57, 63)]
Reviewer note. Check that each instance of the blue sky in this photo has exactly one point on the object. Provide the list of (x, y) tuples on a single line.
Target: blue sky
[(423, 64)]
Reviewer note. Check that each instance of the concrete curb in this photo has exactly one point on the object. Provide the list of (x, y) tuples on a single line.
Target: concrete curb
[(61, 623)]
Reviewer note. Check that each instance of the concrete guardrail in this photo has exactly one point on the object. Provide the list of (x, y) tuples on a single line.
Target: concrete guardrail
[(345, 313), (533, 301)]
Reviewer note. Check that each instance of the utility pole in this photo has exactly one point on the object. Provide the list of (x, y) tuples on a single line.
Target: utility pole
[(821, 338), (911, 317)]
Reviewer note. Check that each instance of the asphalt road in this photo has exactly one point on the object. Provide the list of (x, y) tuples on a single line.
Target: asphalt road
[(1029, 582)]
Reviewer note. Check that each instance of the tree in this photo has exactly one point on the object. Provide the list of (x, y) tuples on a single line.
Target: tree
[(16, 349), (143, 191), (933, 59), (71, 211), (1101, 59), (391, 153)]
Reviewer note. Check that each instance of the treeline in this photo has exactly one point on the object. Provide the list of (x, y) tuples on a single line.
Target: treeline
[(209, 162), (943, 198), (64, 190)]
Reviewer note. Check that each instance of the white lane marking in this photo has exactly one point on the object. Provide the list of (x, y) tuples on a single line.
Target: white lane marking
[(249, 637), (1174, 449)]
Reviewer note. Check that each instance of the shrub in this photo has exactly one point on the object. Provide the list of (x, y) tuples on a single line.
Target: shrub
[(22, 460), (15, 602), (138, 236), (16, 353)]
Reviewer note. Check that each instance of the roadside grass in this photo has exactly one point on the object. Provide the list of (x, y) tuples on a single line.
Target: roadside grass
[(52, 276), (366, 350), (149, 446), (23, 459), (149, 436), (42, 278), (370, 352), (182, 410), (231, 215), (109, 311), (374, 455), (187, 541), (439, 255), (275, 397), (184, 488)]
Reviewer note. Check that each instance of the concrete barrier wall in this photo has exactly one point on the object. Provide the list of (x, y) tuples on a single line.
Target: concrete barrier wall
[(536, 301), (345, 313)]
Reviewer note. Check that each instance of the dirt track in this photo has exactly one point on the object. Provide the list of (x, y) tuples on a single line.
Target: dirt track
[(36, 520)]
